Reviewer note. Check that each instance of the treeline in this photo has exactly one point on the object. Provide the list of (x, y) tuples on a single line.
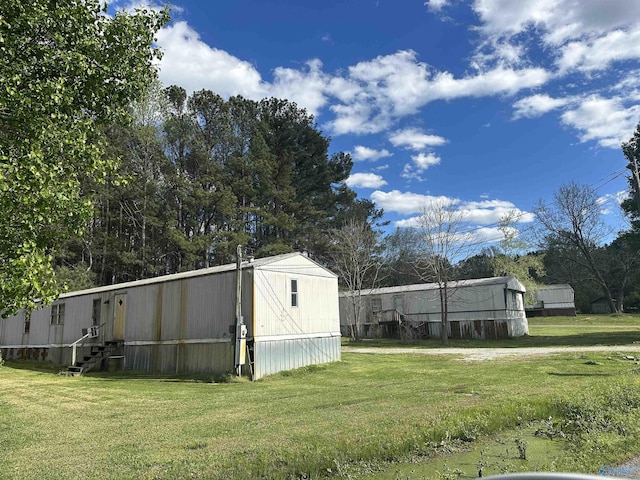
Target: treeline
[(199, 175)]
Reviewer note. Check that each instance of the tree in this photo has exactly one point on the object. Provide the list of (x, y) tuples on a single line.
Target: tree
[(511, 257), (573, 220), (631, 151), (355, 256), (476, 266), (401, 250), (66, 69), (442, 240)]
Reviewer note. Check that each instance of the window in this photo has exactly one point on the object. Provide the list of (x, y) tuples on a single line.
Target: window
[(27, 321), (95, 315), (376, 304), (57, 314), (294, 293)]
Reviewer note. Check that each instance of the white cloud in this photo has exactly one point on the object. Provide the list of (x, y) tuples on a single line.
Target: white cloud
[(436, 5), (556, 20), (605, 120), (380, 91), (610, 203), (369, 97), (598, 54), (492, 214), (365, 180), (537, 105), (361, 153), (421, 162), (305, 87), (415, 139), (582, 34), (407, 202), (500, 80), (194, 65)]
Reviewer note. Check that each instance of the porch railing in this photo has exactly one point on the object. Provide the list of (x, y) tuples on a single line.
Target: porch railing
[(91, 332)]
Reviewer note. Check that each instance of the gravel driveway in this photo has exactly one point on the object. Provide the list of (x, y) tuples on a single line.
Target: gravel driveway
[(480, 354)]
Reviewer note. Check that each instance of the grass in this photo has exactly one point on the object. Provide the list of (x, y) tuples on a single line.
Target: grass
[(351, 416)]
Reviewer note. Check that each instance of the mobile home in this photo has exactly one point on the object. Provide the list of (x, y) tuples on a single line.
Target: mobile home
[(185, 323), (482, 308), (550, 300)]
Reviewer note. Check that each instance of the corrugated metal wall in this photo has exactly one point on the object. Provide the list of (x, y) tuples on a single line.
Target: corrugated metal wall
[(479, 311), (278, 355)]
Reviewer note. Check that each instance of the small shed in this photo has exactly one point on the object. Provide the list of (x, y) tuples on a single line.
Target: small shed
[(185, 323), (600, 306), (482, 308), (551, 300)]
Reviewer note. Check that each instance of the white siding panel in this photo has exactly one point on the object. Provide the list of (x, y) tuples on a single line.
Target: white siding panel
[(317, 309), (277, 355), (297, 264)]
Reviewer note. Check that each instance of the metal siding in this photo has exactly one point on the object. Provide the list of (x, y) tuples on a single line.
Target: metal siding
[(167, 314), (478, 301), (555, 297), (210, 305), (278, 355), (317, 310), (180, 358)]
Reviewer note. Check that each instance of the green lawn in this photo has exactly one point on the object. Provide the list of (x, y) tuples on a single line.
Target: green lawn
[(352, 416)]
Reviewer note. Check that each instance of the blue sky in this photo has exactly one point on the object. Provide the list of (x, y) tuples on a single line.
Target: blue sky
[(487, 105)]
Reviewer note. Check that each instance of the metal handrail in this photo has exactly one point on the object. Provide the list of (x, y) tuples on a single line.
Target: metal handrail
[(92, 332)]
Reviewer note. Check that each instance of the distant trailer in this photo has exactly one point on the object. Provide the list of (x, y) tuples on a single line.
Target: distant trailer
[(552, 300), (185, 323), (487, 308)]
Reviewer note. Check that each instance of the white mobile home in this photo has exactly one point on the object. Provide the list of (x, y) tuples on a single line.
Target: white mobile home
[(184, 323), (550, 300), (482, 308)]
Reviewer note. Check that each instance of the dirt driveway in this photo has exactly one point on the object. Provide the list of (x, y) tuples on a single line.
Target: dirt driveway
[(480, 354)]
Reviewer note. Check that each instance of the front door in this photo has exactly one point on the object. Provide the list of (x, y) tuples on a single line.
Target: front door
[(119, 316)]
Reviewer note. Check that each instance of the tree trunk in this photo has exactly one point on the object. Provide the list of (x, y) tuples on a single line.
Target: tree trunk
[(620, 300), (444, 321)]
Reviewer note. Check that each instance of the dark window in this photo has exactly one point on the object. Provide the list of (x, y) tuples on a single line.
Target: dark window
[(57, 314), (294, 293), (376, 304), (27, 321), (95, 316)]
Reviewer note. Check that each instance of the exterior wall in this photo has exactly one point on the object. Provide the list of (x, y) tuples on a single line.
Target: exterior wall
[(600, 306), (287, 336), (483, 310), (553, 300), (44, 340), (273, 356)]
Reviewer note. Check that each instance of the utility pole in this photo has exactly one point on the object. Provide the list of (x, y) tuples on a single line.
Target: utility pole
[(241, 328)]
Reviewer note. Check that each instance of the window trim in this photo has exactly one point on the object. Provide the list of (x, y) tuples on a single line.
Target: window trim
[(57, 313), (96, 313), (295, 293)]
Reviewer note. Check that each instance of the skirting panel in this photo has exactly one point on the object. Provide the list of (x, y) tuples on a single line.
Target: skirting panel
[(274, 356), (180, 358)]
